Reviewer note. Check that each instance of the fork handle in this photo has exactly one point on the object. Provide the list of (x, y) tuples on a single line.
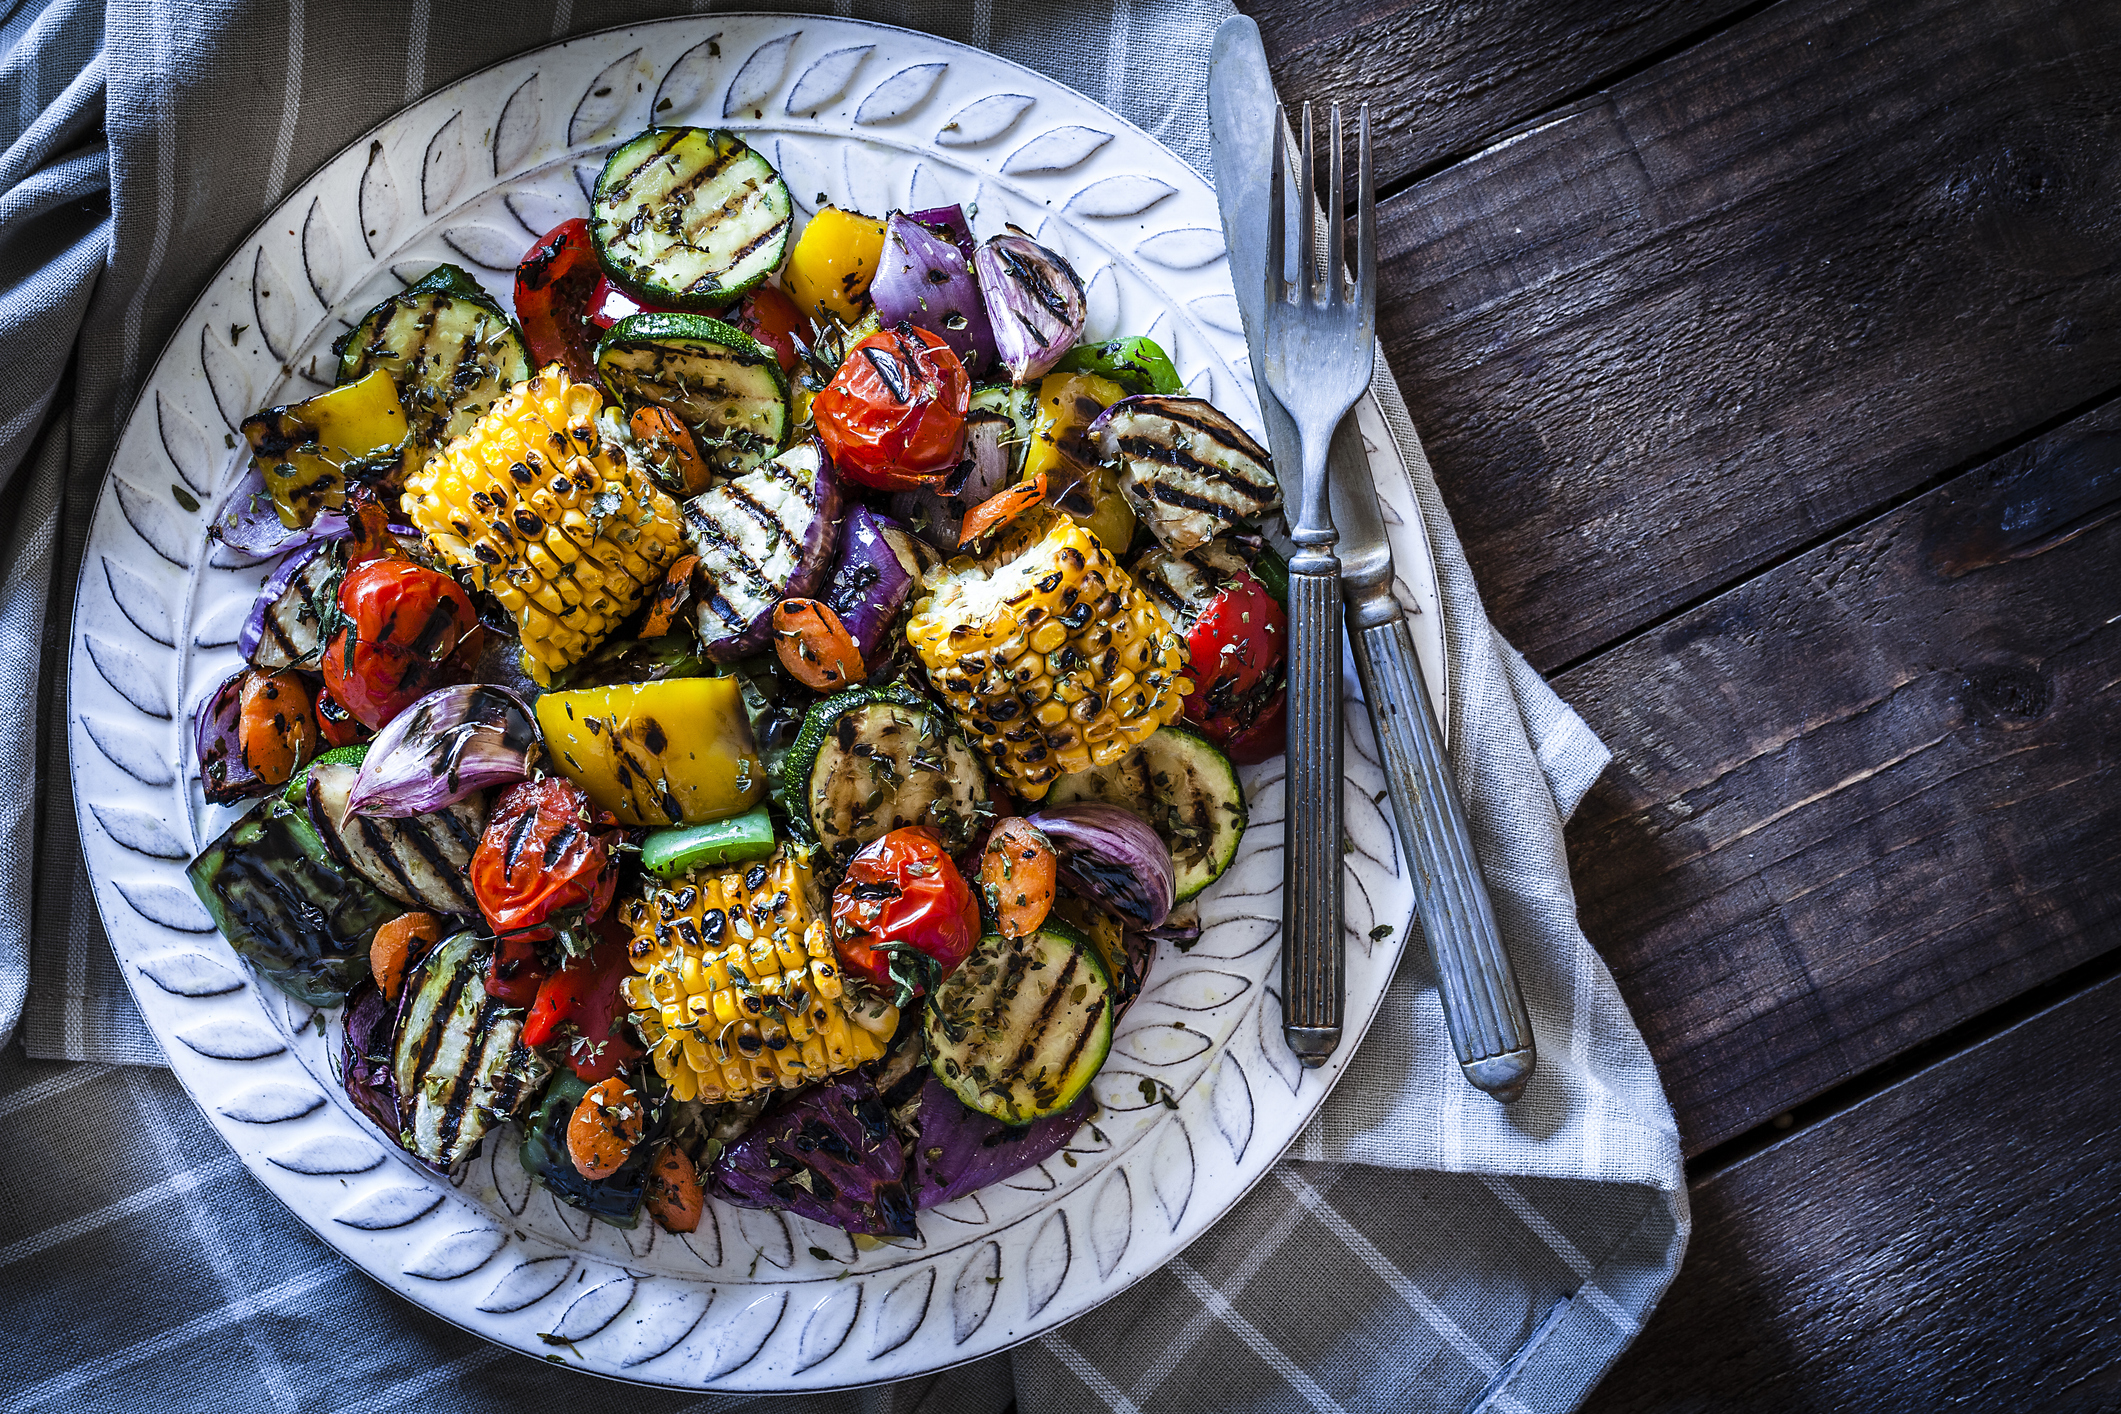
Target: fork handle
[(1483, 1009), (1313, 979)]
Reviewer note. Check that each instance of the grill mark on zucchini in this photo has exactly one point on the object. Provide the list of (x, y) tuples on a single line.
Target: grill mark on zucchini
[(445, 869), (378, 842), (624, 188), (743, 252), (1056, 992), (433, 1027), (465, 1082)]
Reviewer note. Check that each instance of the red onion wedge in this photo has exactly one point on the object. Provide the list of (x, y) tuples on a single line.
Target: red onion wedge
[(452, 743), (880, 567), (248, 521), (285, 625), (925, 279), (1035, 302), (224, 773), (1110, 856), (992, 456), (949, 223)]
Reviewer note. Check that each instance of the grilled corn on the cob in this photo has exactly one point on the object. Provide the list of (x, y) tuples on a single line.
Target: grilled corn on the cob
[(1050, 655), (739, 989), (548, 518)]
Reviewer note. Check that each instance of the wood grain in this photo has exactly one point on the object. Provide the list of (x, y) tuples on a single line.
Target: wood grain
[(1954, 1242), (1754, 293), (1869, 794), (1445, 76)]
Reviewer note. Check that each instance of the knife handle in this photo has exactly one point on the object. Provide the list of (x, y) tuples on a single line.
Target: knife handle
[(1491, 1033), (1313, 975)]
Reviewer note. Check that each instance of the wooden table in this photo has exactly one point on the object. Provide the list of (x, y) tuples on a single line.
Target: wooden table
[(1769, 357)]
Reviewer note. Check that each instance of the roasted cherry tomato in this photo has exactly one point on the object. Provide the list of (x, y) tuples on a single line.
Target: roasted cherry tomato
[(1266, 738), (543, 865), (608, 304), (409, 631), (554, 283), (579, 1007), (893, 417), (903, 916), (772, 318), (1235, 649)]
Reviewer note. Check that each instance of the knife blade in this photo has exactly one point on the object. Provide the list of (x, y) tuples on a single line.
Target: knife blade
[(1484, 1011)]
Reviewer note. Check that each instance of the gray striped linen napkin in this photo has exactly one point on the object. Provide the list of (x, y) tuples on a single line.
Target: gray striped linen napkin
[(1422, 1248)]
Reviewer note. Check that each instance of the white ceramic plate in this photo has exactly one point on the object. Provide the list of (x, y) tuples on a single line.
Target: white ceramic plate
[(1200, 1095)]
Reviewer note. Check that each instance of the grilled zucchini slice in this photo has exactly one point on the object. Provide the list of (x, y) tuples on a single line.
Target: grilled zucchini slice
[(719, 382), (1183, 785), (458, 1056), (873, 759), (1023, 1026), (447, 346), (689, 217)]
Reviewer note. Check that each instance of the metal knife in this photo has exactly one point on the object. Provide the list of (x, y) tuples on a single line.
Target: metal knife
[(1491, 1033)]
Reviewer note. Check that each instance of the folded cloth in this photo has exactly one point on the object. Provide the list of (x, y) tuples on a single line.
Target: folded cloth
[(1423, 1248)]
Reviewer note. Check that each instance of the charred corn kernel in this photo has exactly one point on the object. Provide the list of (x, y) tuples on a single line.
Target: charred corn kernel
[(540, 512), (737, 988), (1050, 655)]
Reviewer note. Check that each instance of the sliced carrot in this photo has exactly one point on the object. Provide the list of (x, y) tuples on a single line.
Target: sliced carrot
[(669, 443), (815, 646), (604, 1127), (1017, 874), (674, 1197), (397, 944), (1002, 507), (670, 597), (277, 726)]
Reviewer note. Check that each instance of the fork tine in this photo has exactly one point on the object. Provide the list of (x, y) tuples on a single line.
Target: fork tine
[(1277, 217), (1306, 218), (1365, 224), (1336, 236)]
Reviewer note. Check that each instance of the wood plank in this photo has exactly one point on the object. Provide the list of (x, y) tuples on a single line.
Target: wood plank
[(1763, 288), (1954, 1241), (1444, 76), (1871, 793)]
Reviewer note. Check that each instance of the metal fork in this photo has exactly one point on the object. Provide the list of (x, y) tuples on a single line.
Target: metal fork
[(1318, 349)]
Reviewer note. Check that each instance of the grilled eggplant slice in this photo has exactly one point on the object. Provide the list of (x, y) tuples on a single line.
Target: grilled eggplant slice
[(282, 902), (722, 384), (1022, 1027), (762, 538), (873, 759), (689, 218), (290, 622), (1189, 472), (419, 860), (458, 1057), (447, 346)]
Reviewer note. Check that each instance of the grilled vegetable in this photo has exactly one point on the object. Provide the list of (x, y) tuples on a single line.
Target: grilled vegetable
[(1021, 1029), (1035, 301), (689, 217), (554, 283), (452, 743), (282, 903), (673, 1196), (893, 416), (542, 868), (1237, 636), (872, 760), (1110, 856), (1051, 658), (276, 725), (579, 1009), (1137, 364), (925, 280), (1063, 451), (814, 646), (673, 752), (248, 521), (225, 773), (397, 945), (458, 1057), (568, 541), (739, 989), (1000, 509), (284, 628), (879, 564), (771, 317), (1017, 873), (448, 348), (903, 918), (1188, 792), (720, 383), (605, 1128), (297, 792), (306, 451), (960, 1149), (1189, 472), (1124, 952), (407, 630), (418, 861), (615, 1198), (762, 538), (997, 431), (686, 848), (832, 264), (364, 1056), (828, 1154)]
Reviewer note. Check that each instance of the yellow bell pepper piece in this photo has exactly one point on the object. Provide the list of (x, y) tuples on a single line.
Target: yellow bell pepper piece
[(676, 752), (1077, 481), (833, 262), (352, 423)]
